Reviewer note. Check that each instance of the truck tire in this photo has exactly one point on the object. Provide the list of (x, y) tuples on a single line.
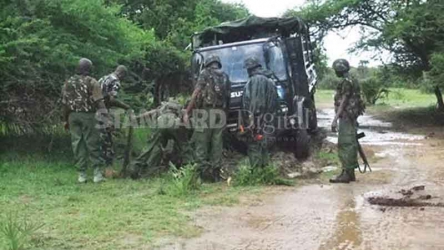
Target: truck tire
[(302, 149)]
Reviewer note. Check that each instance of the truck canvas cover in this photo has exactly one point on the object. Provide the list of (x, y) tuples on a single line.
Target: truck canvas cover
[(252, 27)]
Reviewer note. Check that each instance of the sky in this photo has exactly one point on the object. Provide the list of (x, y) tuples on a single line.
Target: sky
[(336, 43)]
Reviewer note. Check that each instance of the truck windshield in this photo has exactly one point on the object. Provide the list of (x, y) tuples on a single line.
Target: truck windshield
[(233, 58)]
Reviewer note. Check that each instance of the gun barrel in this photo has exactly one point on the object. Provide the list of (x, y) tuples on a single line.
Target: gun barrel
[(360, 135)]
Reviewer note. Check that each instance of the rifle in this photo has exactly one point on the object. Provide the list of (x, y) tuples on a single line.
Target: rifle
[(362, 154), (128, 149)]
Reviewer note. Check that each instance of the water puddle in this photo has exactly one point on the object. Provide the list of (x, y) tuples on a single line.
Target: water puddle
[(377, 132)]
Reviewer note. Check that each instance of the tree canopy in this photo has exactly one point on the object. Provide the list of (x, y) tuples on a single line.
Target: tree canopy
[(42, 41), (412, 30)]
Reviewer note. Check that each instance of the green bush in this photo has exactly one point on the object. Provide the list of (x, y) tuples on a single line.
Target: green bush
[(373, 90), (247, 176), (437, 73), (40, 45), (329, 81), (181, 182)]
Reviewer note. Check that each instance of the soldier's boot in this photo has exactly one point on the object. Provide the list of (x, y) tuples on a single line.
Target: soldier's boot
[(82, 177), (344, 177), (351, 173), (98, 176)]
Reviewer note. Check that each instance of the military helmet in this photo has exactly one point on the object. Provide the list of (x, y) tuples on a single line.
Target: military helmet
[(85, 66), (211, 59), (251, 63), (341, 66)]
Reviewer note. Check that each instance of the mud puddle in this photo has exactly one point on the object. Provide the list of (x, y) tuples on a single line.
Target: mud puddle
[(413, 197), (394, 207), (377, 132)]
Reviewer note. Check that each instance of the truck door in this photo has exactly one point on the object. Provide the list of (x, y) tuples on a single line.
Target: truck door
[(297, 65)]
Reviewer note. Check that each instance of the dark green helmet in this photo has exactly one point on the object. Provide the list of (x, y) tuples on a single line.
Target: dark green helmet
[(341, 66), (251, 63), (212, 59)]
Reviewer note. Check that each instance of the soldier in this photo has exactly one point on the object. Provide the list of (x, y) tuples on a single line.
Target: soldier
[(110, 85), (348, 106), (211, 96), (260, 100), (167, 138), (81, 99)]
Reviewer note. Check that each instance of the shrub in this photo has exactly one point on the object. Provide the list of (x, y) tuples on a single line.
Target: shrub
[(181, 182), (247, 176), (329, 81), (373, 90)]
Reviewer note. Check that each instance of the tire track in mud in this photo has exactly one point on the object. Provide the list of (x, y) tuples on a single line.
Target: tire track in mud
[(338, 216)]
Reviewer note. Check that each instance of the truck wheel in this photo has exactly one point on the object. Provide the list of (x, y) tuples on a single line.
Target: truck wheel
[(302, 149)]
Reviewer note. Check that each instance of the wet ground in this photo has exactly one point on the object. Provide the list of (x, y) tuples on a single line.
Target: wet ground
[(368, 214)]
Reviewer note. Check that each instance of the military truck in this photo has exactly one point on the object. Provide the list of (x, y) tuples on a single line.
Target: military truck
[(283, 46)]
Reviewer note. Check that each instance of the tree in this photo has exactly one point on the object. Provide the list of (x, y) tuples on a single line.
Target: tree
[(176, 24), (40, 44), (410, 29)]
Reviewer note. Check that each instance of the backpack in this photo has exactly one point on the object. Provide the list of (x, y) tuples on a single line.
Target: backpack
[(214, 93)]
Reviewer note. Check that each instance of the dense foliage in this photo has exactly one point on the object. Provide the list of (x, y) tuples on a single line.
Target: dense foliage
[(42, 40)]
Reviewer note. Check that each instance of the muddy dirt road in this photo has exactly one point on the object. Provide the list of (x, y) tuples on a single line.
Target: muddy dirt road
[(325, 216)]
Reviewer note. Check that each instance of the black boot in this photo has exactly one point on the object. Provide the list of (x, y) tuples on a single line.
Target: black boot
[(351, 173), (344, 177)]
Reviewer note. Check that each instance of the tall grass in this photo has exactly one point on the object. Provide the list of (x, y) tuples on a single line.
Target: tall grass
[(17, 233), (181, 182)]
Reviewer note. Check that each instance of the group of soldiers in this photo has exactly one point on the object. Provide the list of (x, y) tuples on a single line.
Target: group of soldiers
[(86, 112)]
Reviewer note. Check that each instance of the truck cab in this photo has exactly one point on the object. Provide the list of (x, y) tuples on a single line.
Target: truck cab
[(283, 47)]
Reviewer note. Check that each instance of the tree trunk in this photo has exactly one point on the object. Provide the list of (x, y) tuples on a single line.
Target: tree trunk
[(439, 98)]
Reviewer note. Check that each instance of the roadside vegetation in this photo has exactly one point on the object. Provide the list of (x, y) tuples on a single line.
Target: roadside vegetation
[(41, 42), (60, 214)]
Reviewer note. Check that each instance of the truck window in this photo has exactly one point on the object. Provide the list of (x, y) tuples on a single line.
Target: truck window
[(276, 62), (233, 59)]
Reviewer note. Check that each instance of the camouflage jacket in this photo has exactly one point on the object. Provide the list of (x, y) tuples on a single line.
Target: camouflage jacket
[(349, 87), (80, 93), (110, 85), (166, 116), (260, 94), (214, 87)]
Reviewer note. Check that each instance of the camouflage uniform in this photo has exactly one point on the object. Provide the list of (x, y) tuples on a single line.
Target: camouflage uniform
[(79, 95), (167, 139), (347, 143), (260, 98), (110, 86), (213, 87), (347, 90)]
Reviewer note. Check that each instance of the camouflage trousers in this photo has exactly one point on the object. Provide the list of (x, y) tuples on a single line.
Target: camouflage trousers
[(208, 151), (107, 147), (85, 140), (347, 143), (258, 153)]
